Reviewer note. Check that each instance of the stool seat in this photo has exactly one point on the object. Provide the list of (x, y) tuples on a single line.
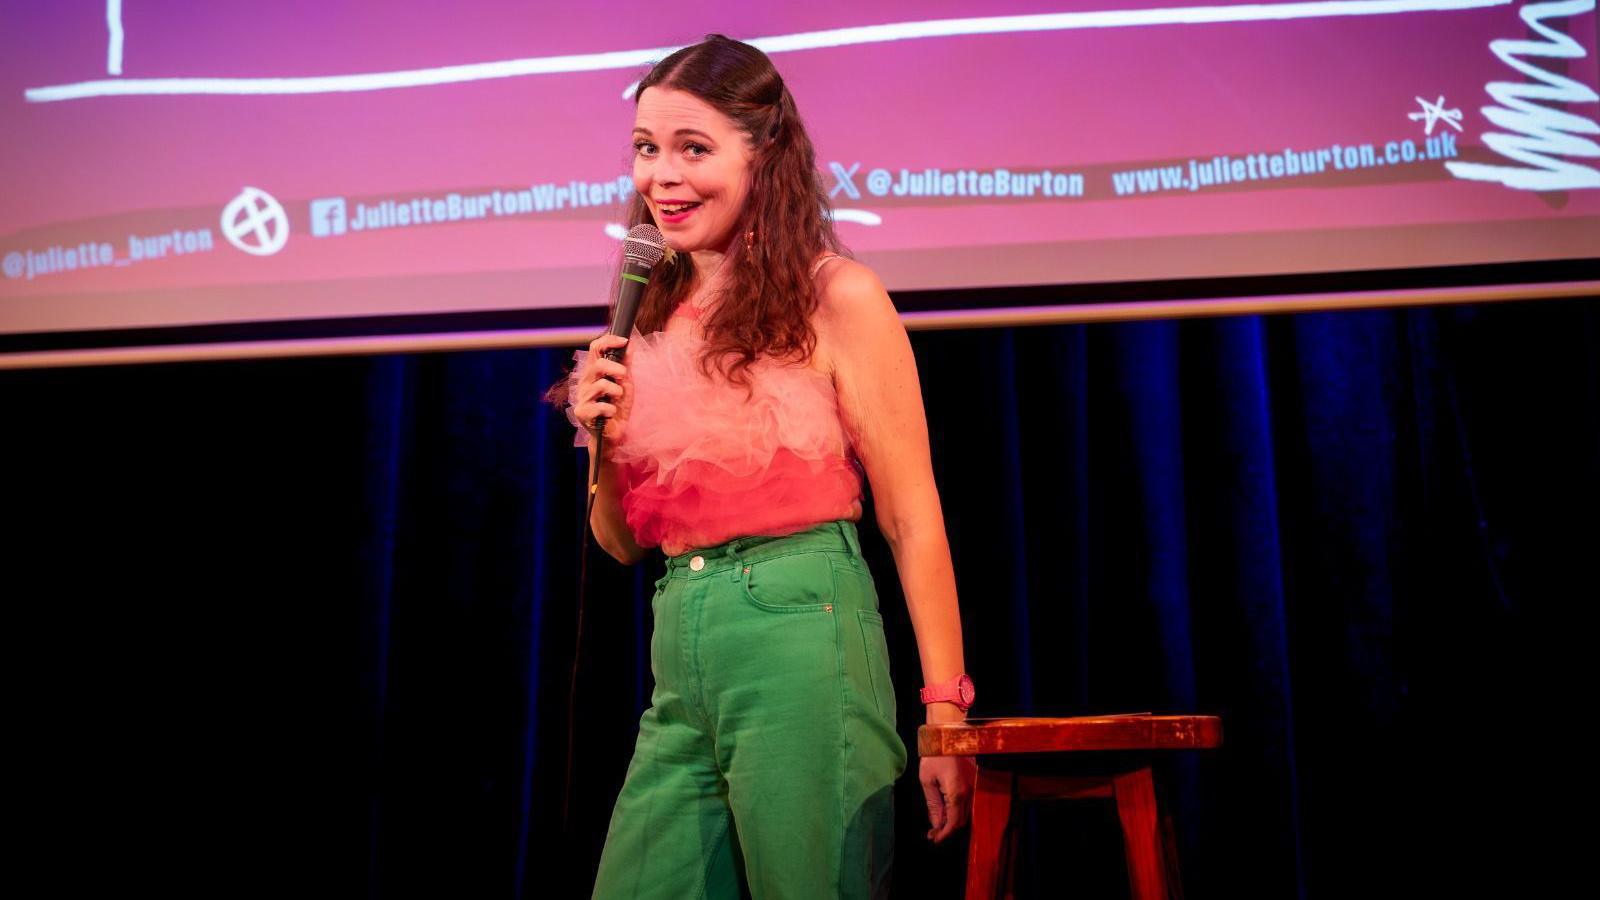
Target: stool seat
[(1121, 748)]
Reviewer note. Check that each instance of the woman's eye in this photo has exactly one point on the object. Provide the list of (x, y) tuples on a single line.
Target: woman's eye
[(644, 148), (695, 151)]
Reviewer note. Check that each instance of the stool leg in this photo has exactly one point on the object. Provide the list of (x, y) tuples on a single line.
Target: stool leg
[(1169, 851), (1136, 806), (988, 859)]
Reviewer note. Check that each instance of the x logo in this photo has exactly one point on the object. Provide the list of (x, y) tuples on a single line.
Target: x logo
[(842, 180)]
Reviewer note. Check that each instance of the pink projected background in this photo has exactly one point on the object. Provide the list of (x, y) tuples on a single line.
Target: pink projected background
[(169, 163)]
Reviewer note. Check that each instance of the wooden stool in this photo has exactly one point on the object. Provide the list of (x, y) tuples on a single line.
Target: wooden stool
[(1146, 831)]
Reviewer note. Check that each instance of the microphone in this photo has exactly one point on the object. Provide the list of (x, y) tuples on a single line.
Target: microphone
[(641, 250)]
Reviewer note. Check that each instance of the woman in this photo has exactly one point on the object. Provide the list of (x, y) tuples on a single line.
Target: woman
[(766, 362)]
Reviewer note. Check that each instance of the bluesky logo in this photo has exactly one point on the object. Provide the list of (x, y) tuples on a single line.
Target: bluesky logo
[(327, 216)]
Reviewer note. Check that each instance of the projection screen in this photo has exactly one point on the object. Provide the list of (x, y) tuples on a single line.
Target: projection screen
[(170, 165)]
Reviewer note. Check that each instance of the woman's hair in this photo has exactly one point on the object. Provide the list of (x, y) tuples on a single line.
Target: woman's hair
[(766, 305)]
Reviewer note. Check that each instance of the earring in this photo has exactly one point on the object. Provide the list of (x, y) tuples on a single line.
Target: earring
[(749, 240)]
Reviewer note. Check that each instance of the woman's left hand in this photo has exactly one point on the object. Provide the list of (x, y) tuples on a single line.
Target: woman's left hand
[(947, 784)]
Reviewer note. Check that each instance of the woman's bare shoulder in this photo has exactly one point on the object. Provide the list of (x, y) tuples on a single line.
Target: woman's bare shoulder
[(853, 314), (847, 289)]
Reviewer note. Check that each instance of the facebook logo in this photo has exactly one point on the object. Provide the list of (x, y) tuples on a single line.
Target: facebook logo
[(327, 216)]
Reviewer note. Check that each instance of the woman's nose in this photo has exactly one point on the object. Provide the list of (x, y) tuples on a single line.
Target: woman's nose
[(665, 173)]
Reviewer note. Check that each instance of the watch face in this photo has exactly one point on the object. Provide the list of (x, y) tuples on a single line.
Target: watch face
[(964, 686)]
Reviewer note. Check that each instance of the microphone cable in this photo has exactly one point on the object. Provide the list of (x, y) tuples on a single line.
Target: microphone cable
[(642, 249)]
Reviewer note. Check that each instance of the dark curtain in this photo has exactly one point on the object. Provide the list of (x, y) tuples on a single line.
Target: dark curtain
[(306, 627)]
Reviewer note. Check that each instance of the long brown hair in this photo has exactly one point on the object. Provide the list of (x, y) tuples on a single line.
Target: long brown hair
[(766, 306)]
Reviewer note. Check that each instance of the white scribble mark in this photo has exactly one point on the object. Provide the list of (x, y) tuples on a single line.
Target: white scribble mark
[(858, 216), (1539, 134), (615, 231), (1435, 112), (114, 37), (783, 43)]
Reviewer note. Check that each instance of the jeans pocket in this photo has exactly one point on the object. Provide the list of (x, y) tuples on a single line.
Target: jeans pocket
[(877, 646), (800, 582)]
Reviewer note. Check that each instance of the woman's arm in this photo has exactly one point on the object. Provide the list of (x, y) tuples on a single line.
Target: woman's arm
[(865, 345), (881, 401), (610, 526), (603, 388)]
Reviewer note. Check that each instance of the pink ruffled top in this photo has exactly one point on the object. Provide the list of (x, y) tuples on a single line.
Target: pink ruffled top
[(704, 463)]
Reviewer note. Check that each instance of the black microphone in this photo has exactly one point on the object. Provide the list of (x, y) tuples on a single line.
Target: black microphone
[(641, 250)]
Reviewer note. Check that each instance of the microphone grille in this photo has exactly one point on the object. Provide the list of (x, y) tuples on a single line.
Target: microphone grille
[(644, 245)]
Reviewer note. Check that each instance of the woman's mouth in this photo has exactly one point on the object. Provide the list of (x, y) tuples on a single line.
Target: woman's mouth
[(676, 211)]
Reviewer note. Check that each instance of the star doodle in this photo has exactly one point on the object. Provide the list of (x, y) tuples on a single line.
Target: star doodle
[(1435, 112)]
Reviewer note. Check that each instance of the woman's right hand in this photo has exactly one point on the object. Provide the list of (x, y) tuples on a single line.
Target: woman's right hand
[(604, 388)]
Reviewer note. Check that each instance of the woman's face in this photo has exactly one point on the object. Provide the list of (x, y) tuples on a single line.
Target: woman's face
[(692, 166)]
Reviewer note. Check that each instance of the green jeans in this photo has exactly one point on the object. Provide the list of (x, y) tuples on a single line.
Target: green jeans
[(768, 756)]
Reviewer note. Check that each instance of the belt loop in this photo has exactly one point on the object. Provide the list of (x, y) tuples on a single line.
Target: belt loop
[(848, 529), (738, 564)]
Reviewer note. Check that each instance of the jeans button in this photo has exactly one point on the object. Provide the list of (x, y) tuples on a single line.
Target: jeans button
[(698, 563)]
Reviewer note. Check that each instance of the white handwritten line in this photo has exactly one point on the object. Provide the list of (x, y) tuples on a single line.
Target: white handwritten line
[(114, 31), (1117, 18), (327, 84), (810, 40), (860, 216)]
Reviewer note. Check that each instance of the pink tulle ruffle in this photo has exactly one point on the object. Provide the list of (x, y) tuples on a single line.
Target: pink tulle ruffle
[(706, 462)]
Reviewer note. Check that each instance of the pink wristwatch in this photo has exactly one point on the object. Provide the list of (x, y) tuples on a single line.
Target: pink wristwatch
[(958, 690)]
